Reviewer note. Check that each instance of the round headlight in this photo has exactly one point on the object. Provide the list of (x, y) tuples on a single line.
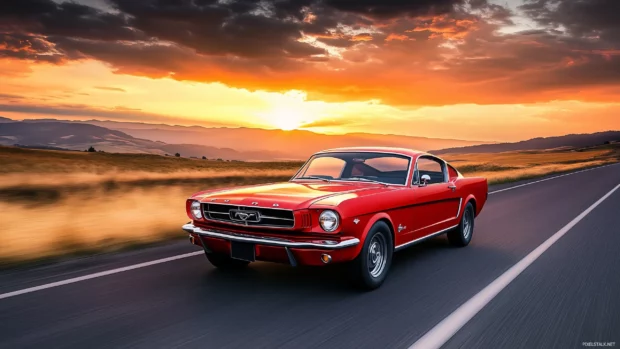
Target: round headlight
[(195, 209), (329, 220)]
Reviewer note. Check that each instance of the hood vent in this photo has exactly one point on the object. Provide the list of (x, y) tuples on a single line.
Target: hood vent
[(306, 220)]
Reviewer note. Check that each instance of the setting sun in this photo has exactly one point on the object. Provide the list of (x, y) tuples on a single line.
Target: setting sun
[(287, 118)]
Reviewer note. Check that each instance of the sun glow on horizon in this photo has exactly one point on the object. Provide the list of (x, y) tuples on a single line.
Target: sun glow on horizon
[(288, 111), (286, 119)]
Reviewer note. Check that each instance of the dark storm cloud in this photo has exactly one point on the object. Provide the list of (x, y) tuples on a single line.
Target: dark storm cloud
[(45, 17), (243, 28), (394, 8), (592, 19)]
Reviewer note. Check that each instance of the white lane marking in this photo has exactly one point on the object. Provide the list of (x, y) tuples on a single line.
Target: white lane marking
[(550, 178), (444, 330), (97, 275)]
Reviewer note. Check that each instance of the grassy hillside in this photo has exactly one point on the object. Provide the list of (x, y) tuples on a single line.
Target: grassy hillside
[(53, 161), (81, 202)]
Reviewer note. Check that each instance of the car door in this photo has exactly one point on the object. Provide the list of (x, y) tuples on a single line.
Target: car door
[(435, 202)]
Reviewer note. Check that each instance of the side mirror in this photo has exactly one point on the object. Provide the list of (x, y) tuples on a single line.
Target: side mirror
[(424, 180)]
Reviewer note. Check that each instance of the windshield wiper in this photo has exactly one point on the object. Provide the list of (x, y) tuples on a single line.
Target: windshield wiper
[(361, 179), (314, 177)]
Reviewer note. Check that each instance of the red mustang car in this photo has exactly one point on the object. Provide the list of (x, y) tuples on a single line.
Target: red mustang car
[(347, 205)]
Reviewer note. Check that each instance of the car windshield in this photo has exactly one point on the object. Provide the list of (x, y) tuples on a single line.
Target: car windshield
[(357, 166)]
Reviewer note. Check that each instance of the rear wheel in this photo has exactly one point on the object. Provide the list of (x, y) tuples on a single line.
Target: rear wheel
[(371, 266), (223, 261), (461, 235)]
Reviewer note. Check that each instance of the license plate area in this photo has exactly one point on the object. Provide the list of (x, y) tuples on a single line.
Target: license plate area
[(243, 251)]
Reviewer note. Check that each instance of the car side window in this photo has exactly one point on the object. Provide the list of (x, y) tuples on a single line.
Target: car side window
[(434, 168), (452, 173)]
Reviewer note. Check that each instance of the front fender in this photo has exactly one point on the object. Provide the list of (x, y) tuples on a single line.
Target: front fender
[(369, 222)]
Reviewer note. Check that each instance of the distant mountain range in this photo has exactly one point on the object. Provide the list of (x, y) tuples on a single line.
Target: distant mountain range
[(216, 142), (571, 140), (74, 136), (247, 144)]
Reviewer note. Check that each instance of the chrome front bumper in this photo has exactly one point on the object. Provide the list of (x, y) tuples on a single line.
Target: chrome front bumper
[(270, 241)]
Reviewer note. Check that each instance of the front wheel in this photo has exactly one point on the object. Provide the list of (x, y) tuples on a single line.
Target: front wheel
[(371, 266), (461, 235)]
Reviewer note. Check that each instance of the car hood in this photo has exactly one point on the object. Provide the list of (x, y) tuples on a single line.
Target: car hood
[(292, 195)]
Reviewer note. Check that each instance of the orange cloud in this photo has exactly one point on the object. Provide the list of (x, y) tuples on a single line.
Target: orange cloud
[(447, 28), (362, 37), (394, 36)]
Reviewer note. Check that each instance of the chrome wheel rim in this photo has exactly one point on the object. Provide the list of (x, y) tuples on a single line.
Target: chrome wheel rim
[(467, 224), (377, 255)]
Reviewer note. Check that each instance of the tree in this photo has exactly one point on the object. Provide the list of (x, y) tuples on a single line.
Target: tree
[(91, 149), (177, 155), (204, 157)]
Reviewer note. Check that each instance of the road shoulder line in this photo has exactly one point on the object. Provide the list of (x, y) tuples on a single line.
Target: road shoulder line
[(448, 327), (97, 275), (550, 178)]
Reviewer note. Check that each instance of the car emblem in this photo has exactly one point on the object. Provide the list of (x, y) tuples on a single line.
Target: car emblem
[(244, 216), (401, 228), (276, 205), (255, 203), (356, 220)]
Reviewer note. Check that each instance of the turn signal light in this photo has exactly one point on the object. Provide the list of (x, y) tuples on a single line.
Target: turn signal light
[(325, 258)]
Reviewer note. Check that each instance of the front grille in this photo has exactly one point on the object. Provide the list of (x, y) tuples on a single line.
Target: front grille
[(249, 215)]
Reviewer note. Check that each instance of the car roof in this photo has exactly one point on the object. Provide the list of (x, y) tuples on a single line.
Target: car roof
[(392, 150)]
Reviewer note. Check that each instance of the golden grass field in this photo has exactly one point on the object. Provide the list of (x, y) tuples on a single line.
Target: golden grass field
[(55, 203)]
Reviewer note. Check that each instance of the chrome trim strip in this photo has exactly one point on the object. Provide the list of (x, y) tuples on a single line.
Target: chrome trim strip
[(360, 151), (418, 240), (277, 218), (254, 207), (229, 222), (269, 241), (458, 212)]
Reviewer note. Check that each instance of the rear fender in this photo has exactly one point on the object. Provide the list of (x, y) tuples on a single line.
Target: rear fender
[(477, 207)]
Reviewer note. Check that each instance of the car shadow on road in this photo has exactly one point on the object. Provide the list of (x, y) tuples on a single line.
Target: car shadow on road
[(263, 276)]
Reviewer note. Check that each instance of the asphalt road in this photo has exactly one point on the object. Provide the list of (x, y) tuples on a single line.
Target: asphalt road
[(568, 296)]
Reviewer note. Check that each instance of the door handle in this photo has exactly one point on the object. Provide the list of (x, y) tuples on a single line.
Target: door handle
[(452, 186)]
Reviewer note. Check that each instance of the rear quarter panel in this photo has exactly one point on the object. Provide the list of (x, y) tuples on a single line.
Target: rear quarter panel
[(473, 188)]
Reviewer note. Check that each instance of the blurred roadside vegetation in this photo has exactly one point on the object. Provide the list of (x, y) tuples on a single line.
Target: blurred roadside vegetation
[(59, 203)]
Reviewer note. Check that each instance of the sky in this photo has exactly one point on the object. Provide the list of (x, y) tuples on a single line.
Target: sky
[(465, 69)]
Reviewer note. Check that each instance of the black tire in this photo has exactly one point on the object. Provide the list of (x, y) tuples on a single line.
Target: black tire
[(223, 261), (365, 270), (461, 235)]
